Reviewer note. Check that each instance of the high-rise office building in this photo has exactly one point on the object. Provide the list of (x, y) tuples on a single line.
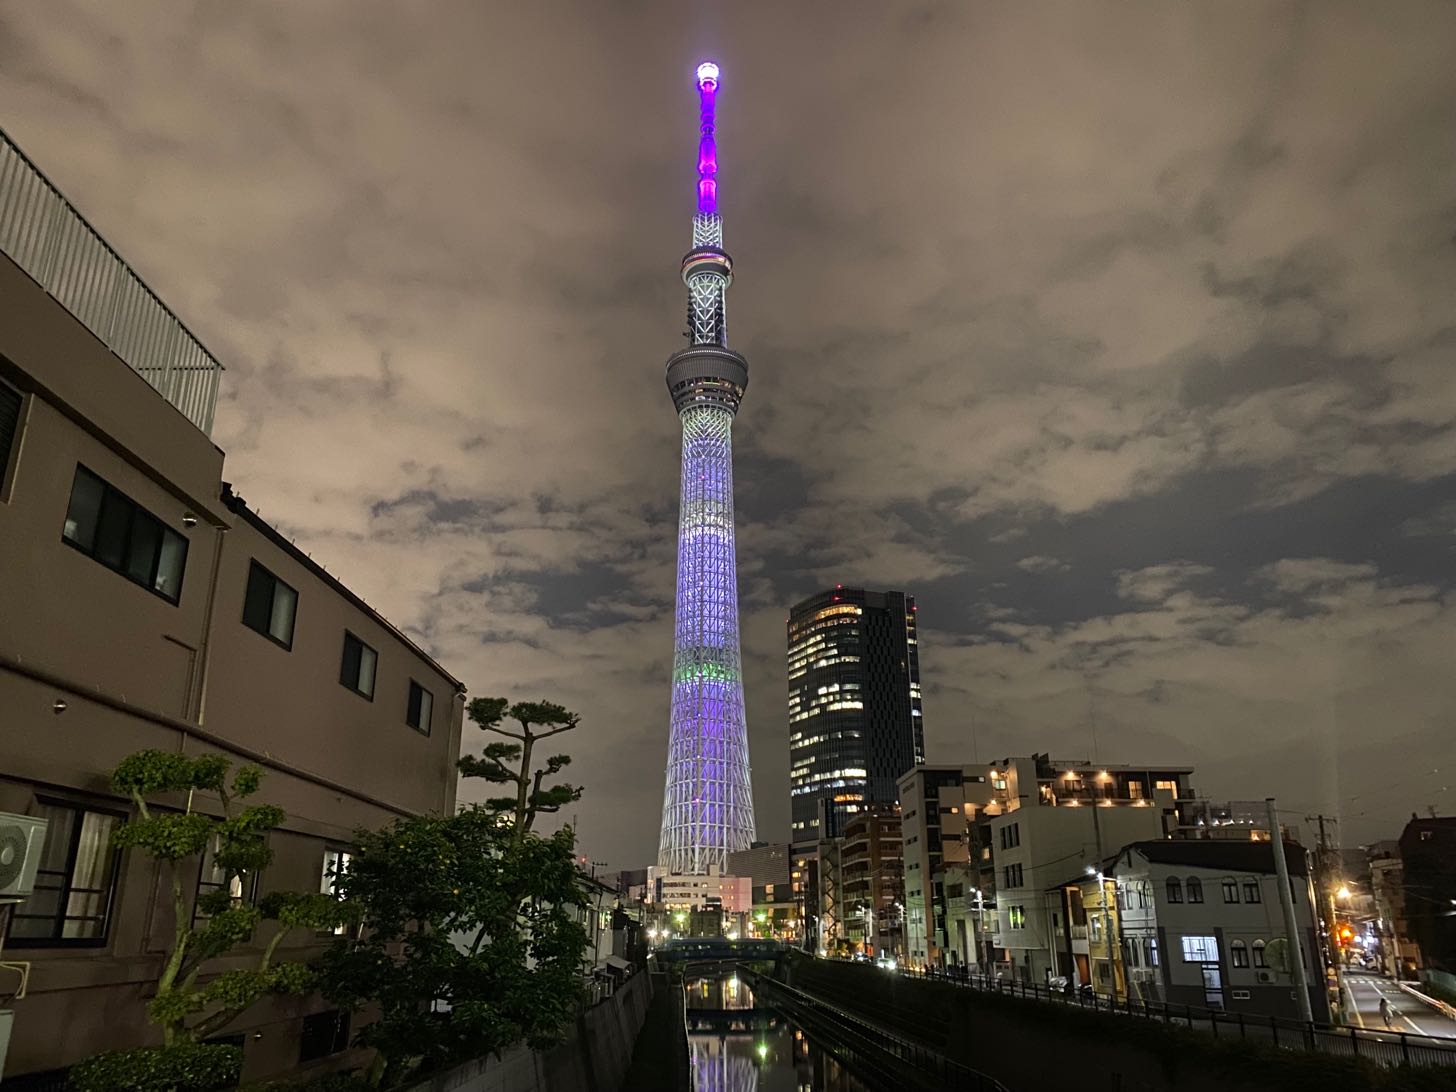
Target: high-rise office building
[(854, 705), (707, 808)]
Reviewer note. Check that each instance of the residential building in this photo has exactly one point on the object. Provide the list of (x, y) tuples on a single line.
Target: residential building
[(873, 866), (854, 705), (937, 805), (1400, 955), (769, 868), (148, 606), (1237, 819), (695, 891), (1428, 854), (1201, 924), (986, 845)]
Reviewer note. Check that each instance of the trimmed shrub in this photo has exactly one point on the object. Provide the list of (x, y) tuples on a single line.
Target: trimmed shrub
[(186, 1067)]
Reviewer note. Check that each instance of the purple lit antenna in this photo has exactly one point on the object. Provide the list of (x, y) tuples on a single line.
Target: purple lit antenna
[(707, 147), (707, 808)]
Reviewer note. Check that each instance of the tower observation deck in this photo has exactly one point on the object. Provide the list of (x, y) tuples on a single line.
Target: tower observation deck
[(707, 808)]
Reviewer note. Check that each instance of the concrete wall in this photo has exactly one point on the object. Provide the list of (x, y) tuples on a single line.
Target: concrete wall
[(1036, 1045), (594, 1058)]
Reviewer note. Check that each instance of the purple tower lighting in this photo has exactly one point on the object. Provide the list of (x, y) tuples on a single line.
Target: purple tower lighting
[(707, 809)]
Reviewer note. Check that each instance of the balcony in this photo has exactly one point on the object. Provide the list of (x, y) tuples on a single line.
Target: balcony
[(42, 233)]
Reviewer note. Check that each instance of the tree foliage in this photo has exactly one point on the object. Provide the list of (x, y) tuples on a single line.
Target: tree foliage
[(187, 1007), (471, 939), (509, 763), (184, 1067)]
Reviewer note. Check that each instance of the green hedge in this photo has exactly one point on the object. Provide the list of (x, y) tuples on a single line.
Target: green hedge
[(187, 1067), (930, 1003)]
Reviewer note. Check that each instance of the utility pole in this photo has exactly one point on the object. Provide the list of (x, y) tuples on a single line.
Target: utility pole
[(1325, 889), (1291, 926)]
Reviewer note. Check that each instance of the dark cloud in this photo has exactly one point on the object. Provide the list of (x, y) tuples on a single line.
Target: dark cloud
[(1119, 333)]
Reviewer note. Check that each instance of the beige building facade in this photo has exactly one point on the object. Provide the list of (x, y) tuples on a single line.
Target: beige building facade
[(144, 605)]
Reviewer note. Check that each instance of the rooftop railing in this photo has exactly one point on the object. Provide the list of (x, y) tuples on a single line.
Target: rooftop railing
[(44, 234)]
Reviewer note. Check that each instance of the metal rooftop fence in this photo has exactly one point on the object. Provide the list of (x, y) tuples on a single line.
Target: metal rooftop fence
[(44, 234)]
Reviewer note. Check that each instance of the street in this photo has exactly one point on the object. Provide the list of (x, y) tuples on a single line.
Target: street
[(1410, 1015)]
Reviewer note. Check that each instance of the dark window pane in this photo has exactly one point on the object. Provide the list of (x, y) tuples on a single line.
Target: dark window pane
[(113, 530), (9, 425), (421, 706), (349, 669), (146, 544), (84, 510), (258, 601)]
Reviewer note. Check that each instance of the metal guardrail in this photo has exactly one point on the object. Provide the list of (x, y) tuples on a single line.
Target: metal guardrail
[(1448, 1011), (1387, 1048), (44, 235)]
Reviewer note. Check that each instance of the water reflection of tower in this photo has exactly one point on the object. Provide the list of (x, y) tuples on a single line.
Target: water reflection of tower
[(723, 1065)]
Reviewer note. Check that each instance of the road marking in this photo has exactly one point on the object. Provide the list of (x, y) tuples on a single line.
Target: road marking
[(1354, 1004)]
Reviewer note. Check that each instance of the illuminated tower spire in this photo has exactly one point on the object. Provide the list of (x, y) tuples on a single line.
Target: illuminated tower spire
[(707, 809)]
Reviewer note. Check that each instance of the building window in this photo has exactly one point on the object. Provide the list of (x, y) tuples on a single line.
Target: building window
[(324, 1033), (1166, 786), (1134, 790), (1012, 875), (1016, 915), (1251, 891), (1195, 889), (336, 863), (1010, 835), (71, 903), (1259, 958), (357, 670), (1230, 890), (1239, 953), (270, 606), (109, 527), (212, 877), (1152, 943), (1175, 889), (421, 707), (1200, 949), (1094, 923), (10, 406)]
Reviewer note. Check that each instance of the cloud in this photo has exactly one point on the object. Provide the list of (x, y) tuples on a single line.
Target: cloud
[(1040, 563), (1152, 299)]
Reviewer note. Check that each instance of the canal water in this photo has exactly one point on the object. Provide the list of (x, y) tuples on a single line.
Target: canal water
[(738, 1045)]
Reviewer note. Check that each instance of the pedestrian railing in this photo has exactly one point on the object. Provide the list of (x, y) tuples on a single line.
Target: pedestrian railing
[(1384, 1047), (45, 236)]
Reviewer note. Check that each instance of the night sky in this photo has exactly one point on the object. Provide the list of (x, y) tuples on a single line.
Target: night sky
[(1121, 334)]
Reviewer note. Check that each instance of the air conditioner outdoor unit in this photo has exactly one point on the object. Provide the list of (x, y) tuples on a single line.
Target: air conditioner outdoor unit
[(21, 838), (1265, 976)]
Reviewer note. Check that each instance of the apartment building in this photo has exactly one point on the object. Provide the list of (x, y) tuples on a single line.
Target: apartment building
[(1428, 859), (1400, 955), (987, 845), (776, 884), (1201, 924), (147, 606), (938, 804), (873, 865)]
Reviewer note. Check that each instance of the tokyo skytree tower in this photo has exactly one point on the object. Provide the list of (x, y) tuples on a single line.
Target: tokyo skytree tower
[(707, 810)]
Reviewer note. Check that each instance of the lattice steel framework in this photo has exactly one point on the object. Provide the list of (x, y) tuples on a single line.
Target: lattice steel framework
[(707, 808)]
